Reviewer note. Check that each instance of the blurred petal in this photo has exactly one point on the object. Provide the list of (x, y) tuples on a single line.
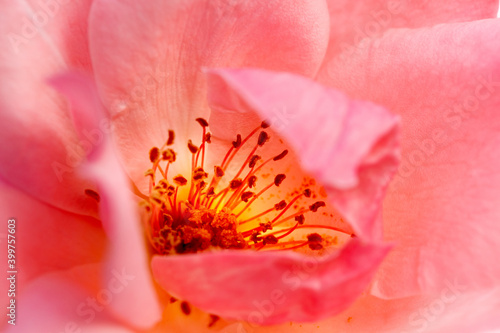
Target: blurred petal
[(442, 209), (127, 259), (353, 21), (148, 58), (350, 147), (270, 287), (40, 150)]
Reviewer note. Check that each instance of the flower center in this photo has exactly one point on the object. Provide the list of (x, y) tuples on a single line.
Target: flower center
[(202, 212)]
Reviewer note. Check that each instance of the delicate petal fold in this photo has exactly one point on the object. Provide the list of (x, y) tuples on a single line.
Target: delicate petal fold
[(67, 302), (40, 39), (270, 287), (442, 210), (352, 22), (148, 57), (46, 238), (350, 147), (126, 257)]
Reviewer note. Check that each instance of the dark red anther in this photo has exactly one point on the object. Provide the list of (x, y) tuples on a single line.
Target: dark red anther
[(93, 194), (170, 190), (210, 192), (280, 205), (213, 320), (270, 239), (237, 143), (180, 180), (208, 138), (315, 206), (300, 219), (279, 179), (186, 309), (171, 137), (218, 171), (280, 156), (154, 154), (202, 122), (245, 196), (192, 148), (168, 155), (253, 161), (315, 237), (266, 226), (255, 236), (235, 183), (251, 181), (264, 124), (263, 138), (307, 193)]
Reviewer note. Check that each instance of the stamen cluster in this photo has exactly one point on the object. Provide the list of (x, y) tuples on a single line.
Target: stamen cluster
[(210, 216)]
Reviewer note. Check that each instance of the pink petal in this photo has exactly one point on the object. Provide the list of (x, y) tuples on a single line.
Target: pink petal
[(270, 287), (57, 303), (138, 303), (350, 147), (452, 310), (353, 21), (41, 150), (148, 58), (46, 238), (443, 208)]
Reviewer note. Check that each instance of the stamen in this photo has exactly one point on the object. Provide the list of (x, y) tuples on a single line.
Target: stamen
[(205, 216)]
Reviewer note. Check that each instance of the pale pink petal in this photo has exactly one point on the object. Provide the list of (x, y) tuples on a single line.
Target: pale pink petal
[(65, 302), (442, 211), (40, 149), (353, 21), (270, 287), (350, 147), (453, 309), (45, 238), (148, 57), (138, 303)]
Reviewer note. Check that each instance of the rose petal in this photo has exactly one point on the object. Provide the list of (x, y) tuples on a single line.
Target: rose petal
[(353, 21), (40, 150), (350, 147), (46, 238), (57, 303), (270, 287), (148, 58), (443, 208), (138, 303)]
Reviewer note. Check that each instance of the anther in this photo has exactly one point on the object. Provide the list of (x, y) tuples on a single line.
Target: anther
[(180, 180), (245, 196), (279, 179), (154, 154), (263, 138), (251, 181), (192, 148), (168, 155), (280, 205), (253, 160), (171, 137), (208, 138), (307, 193), (300, 219), (93, 194), (264, 124), (315, 206), (235, 183), (218, 171), (315, 241), (186, 309), (270, 239), (202, 122), (237, 143), (280, 156)]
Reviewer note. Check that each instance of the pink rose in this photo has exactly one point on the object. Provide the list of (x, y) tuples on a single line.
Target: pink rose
[(97, 246)]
